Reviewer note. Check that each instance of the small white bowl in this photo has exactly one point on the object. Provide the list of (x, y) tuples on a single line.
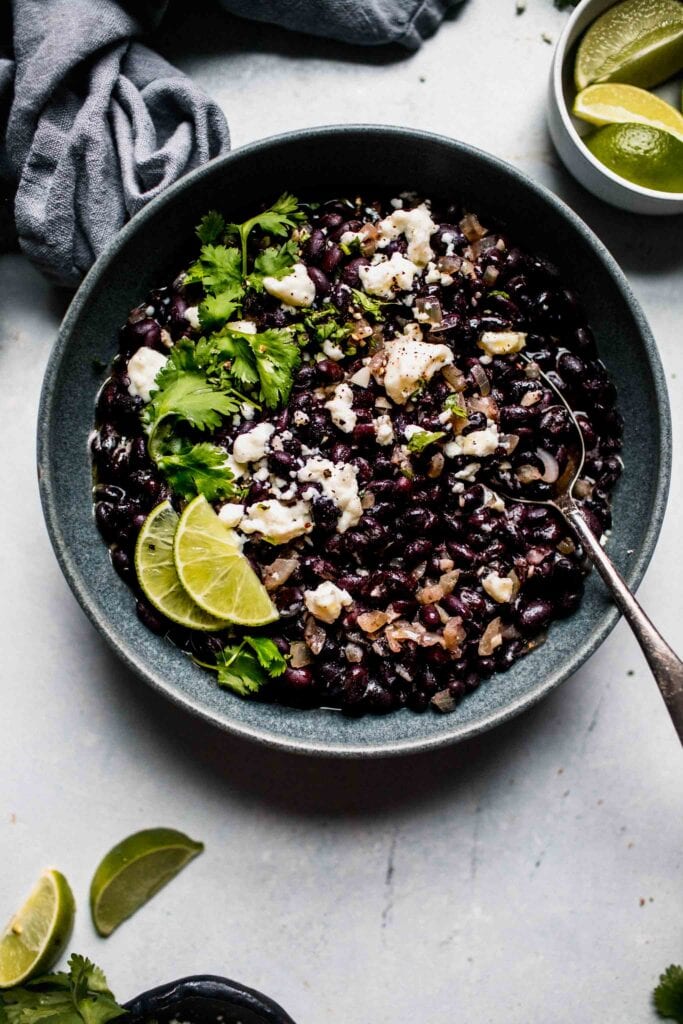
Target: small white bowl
[(575, 155)]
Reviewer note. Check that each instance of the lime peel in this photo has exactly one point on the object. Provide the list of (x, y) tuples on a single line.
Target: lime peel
[(36, 936), (135, 870)]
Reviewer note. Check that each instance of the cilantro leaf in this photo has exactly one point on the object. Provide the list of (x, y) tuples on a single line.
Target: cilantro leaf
[(182, 390), (273, 262), (455, 404), (80, 996), (368, 304), (324, 325), (419, 441), (277, 220), (246, 671), (278, 357), (211, 227), (192, 469), (268, 654), (216, 310), (218, 268), (668, 996)]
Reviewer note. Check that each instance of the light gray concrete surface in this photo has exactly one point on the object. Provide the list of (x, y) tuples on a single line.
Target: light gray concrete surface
[(532, 875)]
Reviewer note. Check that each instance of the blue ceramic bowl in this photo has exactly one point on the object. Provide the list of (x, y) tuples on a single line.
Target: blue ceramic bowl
[(204, 999), (339, 160)]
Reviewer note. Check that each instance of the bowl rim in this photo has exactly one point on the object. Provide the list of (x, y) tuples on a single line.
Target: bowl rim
[(300, 744), (559, 58), (206, 986)]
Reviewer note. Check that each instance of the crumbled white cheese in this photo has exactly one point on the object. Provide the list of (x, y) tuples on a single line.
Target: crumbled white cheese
[(237, 469), (469, 472), (410, 430), (243, 326), (384, 430), (387, 277), (361, 378), (409, 363), (192, 316), (478, 443), (277, 522), (502, 343), (417, 226), (231, 514), (341, 408), (498, 587), (252, 445), (349, 237), (301, 418), (340, 484), (434, 276), (247, 411), (296, 289), (142, 370), (326, 601), (333, 351)]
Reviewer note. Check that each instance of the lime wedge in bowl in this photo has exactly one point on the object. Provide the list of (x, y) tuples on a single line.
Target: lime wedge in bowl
[(214, 572), (614, 103), (36, 936), (639, 42), (157, 574), (640, 153), (134, 870)]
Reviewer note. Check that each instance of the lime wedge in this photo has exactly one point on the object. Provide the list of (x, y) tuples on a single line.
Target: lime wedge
[(157, 574), (637, 41), (134, 870), (37, 934), (614, 103), (213, 570), (641, 154)]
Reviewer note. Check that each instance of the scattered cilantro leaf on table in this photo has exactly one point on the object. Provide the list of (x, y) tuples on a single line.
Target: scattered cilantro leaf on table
[(193, 469), (668, 996), (80, 996), (418, 442)]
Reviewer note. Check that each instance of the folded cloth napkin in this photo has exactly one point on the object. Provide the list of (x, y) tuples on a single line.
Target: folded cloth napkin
[(97, 124)]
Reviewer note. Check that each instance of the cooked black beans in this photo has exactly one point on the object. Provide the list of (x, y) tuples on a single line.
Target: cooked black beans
[(448, 584)]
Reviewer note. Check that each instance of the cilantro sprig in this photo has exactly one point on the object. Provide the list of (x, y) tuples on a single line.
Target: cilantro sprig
[(455, 405), (247, 666), (277, 220), (668, 996), (201, 468), (80, 996)]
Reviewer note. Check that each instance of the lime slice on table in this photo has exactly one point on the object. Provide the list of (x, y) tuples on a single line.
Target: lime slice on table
[(213, 570), (157, 574), (37, 934), (134, 870), (637, 41), (614, 103), (641, 154)]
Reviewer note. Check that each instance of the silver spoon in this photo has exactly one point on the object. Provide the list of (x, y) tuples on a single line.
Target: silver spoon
[(666, 666)]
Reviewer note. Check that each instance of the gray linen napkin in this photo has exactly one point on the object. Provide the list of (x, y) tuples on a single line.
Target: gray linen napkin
[(97, 124)]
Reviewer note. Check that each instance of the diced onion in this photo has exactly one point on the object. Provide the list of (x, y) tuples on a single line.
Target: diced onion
[(481, 379), (551, 470)]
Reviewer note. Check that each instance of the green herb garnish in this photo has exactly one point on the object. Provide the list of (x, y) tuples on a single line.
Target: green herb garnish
[(277, 220), (80, 996), (368, 304), (419, 441), (455, 405), (247, 666), (668, 996), (192, 469)]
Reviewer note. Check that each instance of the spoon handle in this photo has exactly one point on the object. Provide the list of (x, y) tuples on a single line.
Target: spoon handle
[(666, 666)]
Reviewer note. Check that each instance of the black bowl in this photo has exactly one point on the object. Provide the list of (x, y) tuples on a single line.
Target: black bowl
[(331, 161), (205, 999)]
